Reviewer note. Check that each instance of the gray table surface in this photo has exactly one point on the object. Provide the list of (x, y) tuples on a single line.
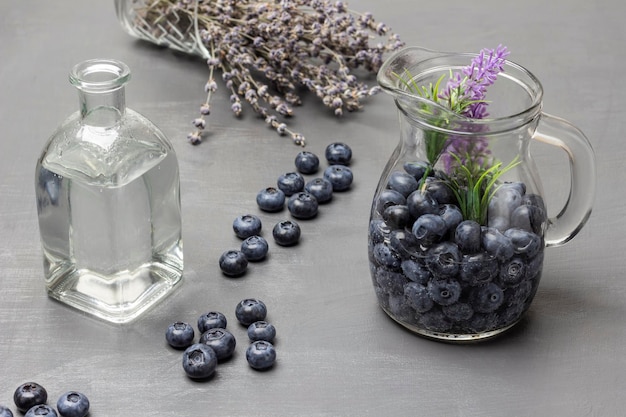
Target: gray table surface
[(338, 353)]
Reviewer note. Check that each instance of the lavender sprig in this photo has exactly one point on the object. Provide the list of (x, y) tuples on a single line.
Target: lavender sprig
[(269, 51)]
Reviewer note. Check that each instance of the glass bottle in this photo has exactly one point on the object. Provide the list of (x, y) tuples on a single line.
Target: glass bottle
[(454, 255), (108, 202)]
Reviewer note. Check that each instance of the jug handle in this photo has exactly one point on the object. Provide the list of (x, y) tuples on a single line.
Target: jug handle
[(577, 209)]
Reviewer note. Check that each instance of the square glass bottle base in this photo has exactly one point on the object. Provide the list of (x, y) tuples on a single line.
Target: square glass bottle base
[(120, 298)]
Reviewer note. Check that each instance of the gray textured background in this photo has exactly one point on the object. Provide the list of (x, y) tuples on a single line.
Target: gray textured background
[(338, 354)]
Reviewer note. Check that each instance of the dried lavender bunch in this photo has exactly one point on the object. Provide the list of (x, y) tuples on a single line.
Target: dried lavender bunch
[(268, 52)]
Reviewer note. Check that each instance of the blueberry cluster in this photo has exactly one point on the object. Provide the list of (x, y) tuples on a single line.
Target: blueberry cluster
[(217, 344), (437, 272), (31, 399), (302, 199)]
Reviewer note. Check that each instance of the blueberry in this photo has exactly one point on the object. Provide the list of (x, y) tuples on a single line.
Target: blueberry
[(261, 355), (397, 216), (261, 330), (458, 311), (211, 320), (529, 218), (403, 242), (439, 191), (179, 335), (504, 201), (417, 297), (378, 231), (524, 242), (389, 281), (478, 269), (73, 404), (286, 233), (233, 263), (483, 322), (451, 215), (41, 410), (467, 236), (420, 203), (199, 361), (534, 200), (496, 244), (221, 341), (388, 198), (271, 199), (250, 310), (402, 182), (435, 321), (254, 248), (486, 298), (247, 225), (534, 267), (5, 412), (290, 183), (415, 271), (387, 257), (340, 177), (444, 259), (28, 395), (444, 292), (321, 189), (338, 153), (513, 272), (307, 162), (302, 205), (429, 229), (416, 169)]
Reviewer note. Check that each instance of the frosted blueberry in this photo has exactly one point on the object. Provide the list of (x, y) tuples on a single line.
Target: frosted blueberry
[(221, 341), (478, 269), (443, 260), (290, 183), (458, 311), (390, 282), (41, 410), (179, 335), (28, 395), (254, 248), (261, 355), (233, 263), (435, 321), (415, 271), (451, 215), (496, 244), (338, 153), (286, 233), (73, 404), (5, 412), (486, 298), (261, 330), (444, 292), (250, 310), (378, 231), (387, 257), (199, 361), (307, 162), (320, 188), (339, 176), (302, 205), (211, 320), (271, 199), (246, 226), (513, 272), (417, 297)]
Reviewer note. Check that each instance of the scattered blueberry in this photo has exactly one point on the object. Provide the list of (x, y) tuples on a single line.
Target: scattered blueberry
[(338, 153), (221, 341), (28, 395), (307, 162), (290, 183), (41, 410), (233, 263), (73, 404), (261, 355), (5, 412), (247, 225), (179, 335), (286, 233), (302, 205), (320, 188), (211, 320), (339, 176), (254, 248), (250, 310), (199, 361), (261, 330), (271, 199)]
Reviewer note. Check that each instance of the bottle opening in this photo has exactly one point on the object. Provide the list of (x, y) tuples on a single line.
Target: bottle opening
[(99, 75)]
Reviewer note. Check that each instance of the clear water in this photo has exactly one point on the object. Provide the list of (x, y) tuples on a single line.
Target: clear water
[(110, 229)]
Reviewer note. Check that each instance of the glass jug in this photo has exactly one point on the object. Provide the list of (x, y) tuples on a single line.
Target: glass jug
[(108, 202), (455, 255)]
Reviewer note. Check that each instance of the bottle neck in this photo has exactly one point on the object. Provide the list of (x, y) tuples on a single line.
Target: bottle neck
[(101, 94)]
